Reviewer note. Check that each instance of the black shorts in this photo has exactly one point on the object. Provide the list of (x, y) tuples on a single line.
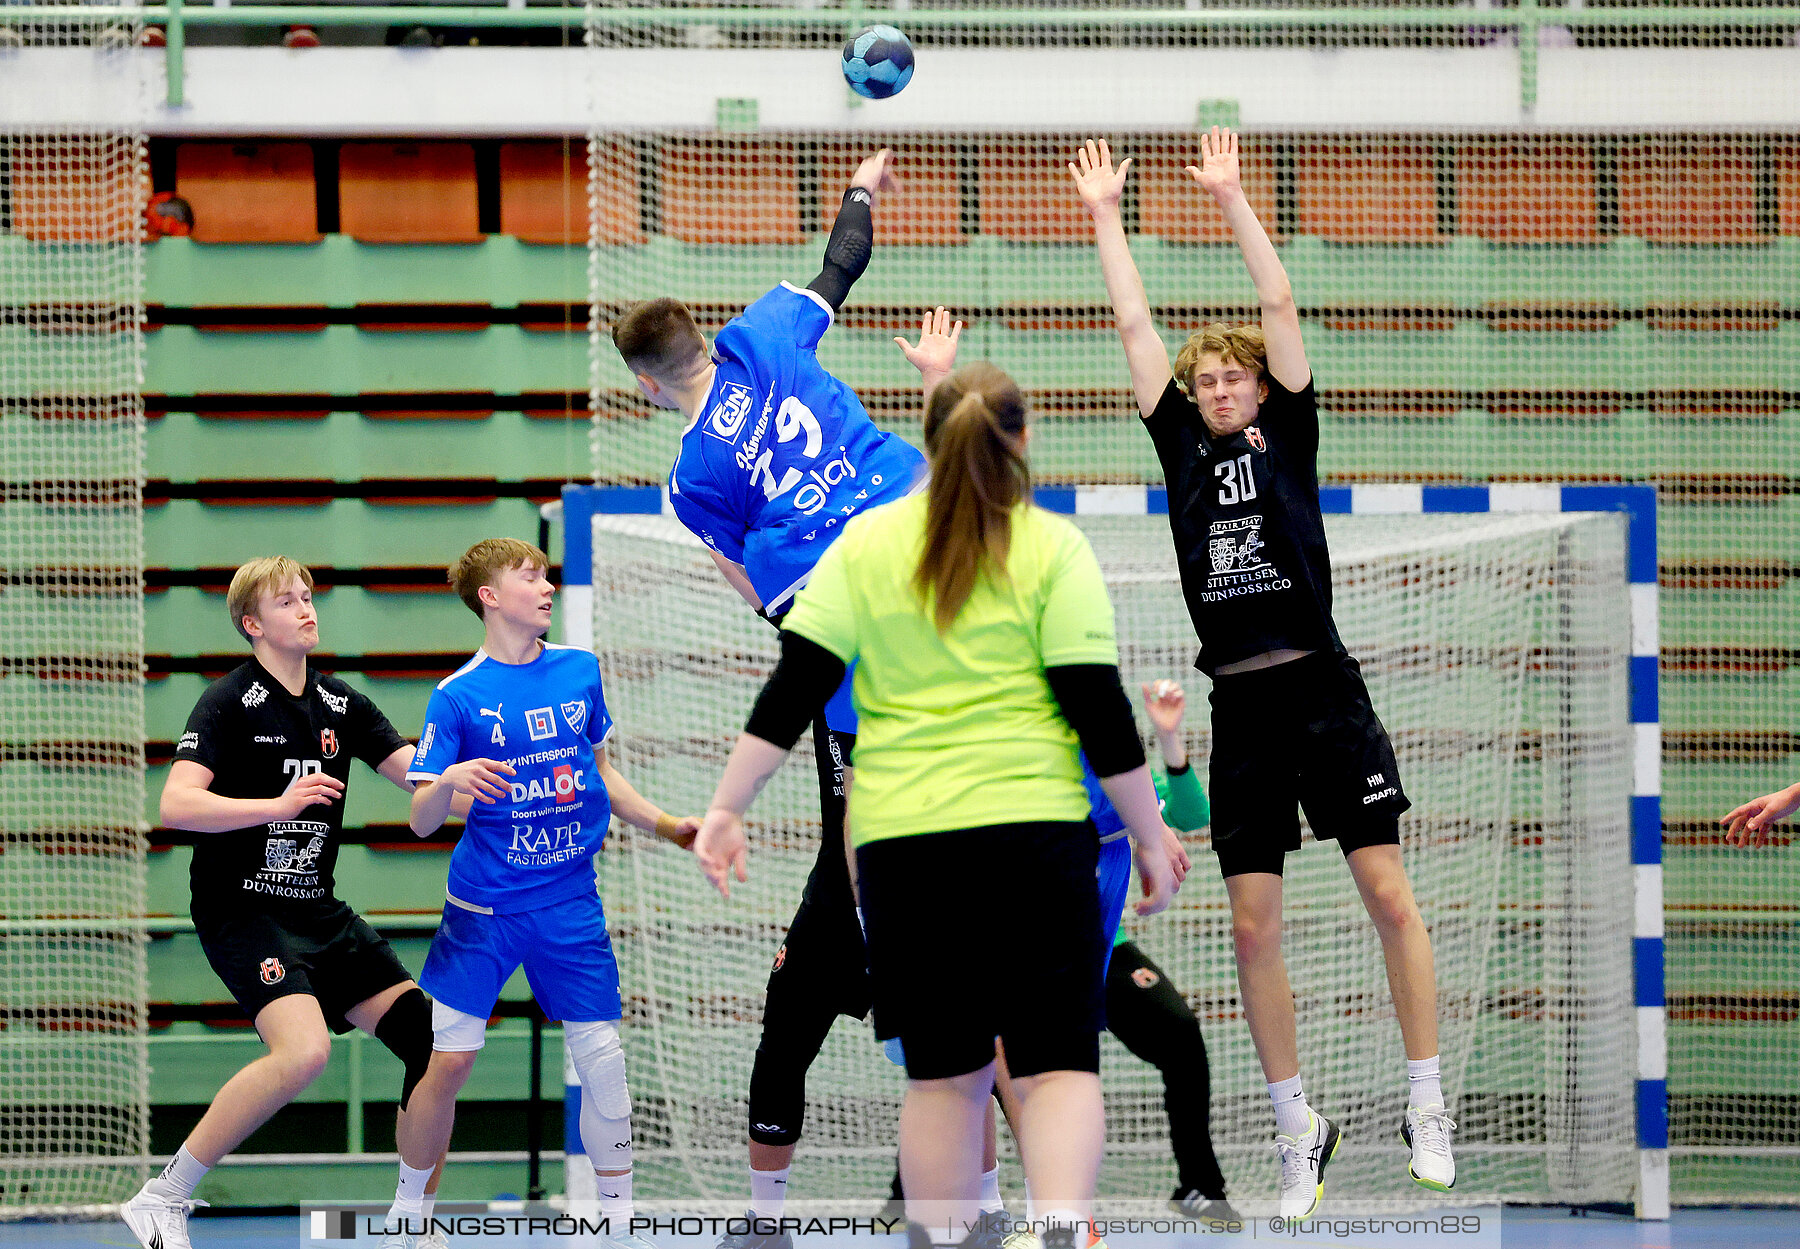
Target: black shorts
[(984, 933), (330, 954), (1301, 730), (822, 960)]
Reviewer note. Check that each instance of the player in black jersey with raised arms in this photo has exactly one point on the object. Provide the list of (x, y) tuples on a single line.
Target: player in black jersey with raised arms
[(261, 773), (1236, 427)]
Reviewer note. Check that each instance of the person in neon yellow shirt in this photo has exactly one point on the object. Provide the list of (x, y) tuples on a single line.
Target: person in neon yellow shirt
[(985, 665)]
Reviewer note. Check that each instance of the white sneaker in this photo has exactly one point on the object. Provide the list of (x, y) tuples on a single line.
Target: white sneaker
[(434, 1240), (1303, 1162), (158, 1222), (1427, 1130), (627, 1240)]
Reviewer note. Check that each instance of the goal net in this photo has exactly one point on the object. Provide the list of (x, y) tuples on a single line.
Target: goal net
[(1538, 253), (1495, 648), (73, 1054)]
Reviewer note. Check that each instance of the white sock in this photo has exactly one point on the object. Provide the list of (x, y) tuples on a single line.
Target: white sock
[(1423, 1087), (990, 1191), (615, 1201), (409, 1194), (768, 1192), (1293, 1117), (180, 1177)]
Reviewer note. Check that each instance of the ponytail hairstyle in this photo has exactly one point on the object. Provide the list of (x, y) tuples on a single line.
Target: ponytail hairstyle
[(974, 431)]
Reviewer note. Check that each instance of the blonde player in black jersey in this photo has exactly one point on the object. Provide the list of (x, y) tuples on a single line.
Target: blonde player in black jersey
[(1235, 424)]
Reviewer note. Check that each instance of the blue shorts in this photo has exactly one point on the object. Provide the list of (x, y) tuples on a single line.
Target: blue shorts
[(840, 711), (1114, 874), (564, 948)]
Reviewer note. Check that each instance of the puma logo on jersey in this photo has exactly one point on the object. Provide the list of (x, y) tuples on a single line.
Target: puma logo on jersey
[(494, 713)]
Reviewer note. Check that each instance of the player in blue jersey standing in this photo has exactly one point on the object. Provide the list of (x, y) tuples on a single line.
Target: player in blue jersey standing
[(777, 455), (521, 730)]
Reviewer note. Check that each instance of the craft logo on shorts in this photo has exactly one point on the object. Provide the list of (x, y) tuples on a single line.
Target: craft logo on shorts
[(575, 715), (780, 957), (727, 418), (1144, 978), (1253, 436), (272, 971), (328, 743)]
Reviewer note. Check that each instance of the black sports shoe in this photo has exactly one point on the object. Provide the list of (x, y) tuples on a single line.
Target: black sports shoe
[(1215, 1212), (990, 1231), (762, 1232)]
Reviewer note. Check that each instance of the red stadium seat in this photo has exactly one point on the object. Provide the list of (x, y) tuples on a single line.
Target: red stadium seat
[(1528, 190), (1368, 191), (544, 192), (1027, 194), (1787, 187), (408, 193), (60, 195), (731, 190), (1690, 190), (249, 192), (1172, 206), (926, 212)]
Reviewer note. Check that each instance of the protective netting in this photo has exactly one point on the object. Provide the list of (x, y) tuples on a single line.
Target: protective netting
[(1556, 252), (1494, 649), (73, 1053)]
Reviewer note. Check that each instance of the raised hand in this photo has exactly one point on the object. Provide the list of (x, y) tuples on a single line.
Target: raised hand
[(1166, 702), (935, 354), (1218, 168), (1749, 824), (875, 176), (314, 789), (1099, 183)]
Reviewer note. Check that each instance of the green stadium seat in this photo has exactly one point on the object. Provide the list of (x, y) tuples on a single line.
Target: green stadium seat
[(342, 273), (353, 620), (351, 532), (408, 192), (249, 192), (345, 360)]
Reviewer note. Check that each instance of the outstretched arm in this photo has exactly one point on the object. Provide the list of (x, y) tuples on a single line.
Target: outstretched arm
[(1218, 173), (1100, 186), (853, 234), (1749, 824)]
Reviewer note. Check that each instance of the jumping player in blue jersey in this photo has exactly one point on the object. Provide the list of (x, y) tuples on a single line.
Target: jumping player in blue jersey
[(521, 730), (777, 456)]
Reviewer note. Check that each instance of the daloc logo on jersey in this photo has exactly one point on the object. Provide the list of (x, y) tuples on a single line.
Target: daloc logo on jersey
[(575, 715), (568, 781), (726, 421)]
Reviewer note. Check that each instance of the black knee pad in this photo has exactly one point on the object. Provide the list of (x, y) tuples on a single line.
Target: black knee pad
[(406, 1030)]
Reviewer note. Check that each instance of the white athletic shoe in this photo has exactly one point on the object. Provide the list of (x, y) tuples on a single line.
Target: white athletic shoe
[(158, 1222), (434, 1240), (627, 1240), (1427, 1130), (1303, 1162)]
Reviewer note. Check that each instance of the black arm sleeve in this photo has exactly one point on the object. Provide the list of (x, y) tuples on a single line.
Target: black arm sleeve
[(802, 683), (847, 251), (1093, 701)]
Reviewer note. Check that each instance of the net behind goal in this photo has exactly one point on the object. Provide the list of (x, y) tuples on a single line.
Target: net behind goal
[(1495, 647)]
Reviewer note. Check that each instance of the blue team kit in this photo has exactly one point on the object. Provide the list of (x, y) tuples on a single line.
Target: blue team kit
[(782, 453), (521, 884)]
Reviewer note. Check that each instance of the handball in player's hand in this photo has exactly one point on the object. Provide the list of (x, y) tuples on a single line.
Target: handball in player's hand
[(878, 62)]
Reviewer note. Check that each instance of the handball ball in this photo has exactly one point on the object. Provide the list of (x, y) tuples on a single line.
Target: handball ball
[(878, 62)]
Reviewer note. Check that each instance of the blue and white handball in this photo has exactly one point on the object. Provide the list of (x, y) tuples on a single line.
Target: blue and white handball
[(878, 62)]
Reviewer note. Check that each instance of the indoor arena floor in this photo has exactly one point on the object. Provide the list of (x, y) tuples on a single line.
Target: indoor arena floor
[(1520, 1228)]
